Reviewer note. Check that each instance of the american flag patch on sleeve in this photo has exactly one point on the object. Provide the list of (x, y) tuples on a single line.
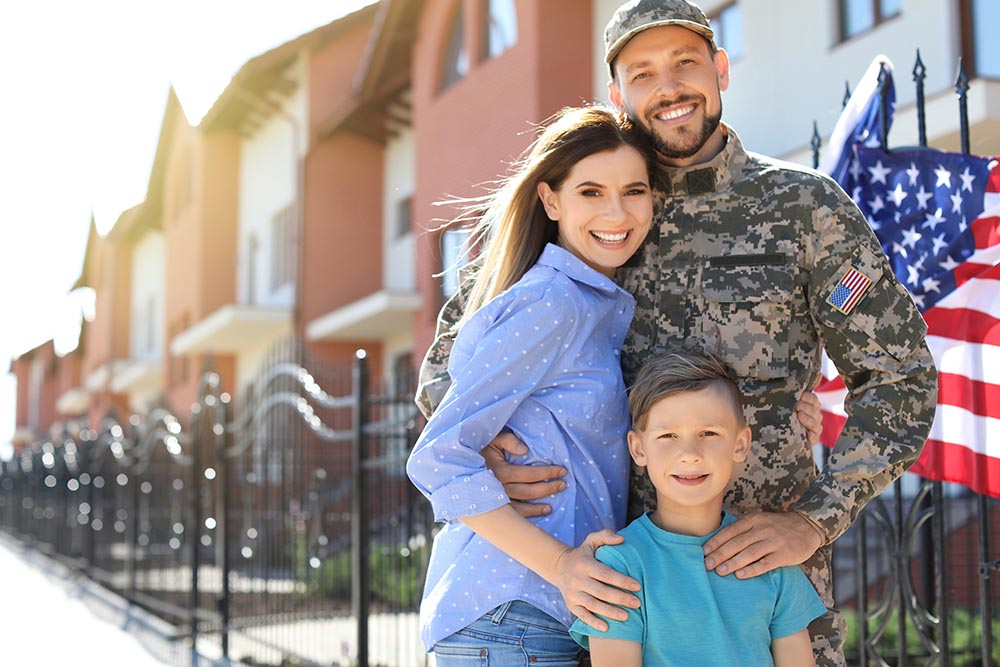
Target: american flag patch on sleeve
[(849, 291)]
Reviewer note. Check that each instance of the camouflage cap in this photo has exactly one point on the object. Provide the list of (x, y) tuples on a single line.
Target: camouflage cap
[(634, 16)]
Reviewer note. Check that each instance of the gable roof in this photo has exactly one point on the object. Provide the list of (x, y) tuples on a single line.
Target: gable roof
[(384, 75), (267, 73)]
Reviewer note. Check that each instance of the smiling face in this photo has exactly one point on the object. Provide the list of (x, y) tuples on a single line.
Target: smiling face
[(670, 83), (689, 444), (603, 208)]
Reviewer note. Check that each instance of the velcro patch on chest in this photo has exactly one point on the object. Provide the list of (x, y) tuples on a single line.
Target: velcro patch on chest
[(848, 291)]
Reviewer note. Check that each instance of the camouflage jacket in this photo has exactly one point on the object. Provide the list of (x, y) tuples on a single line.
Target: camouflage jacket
[(745, 258)]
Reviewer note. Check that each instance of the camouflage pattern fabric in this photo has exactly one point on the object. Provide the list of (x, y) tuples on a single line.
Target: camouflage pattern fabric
[(744, 259), (634, 16), (433, 379)]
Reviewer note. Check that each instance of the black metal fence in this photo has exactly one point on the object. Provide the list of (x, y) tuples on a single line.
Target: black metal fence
[(277, 531)]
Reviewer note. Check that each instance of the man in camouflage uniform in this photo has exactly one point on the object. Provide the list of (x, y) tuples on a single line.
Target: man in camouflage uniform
[(764, 263)]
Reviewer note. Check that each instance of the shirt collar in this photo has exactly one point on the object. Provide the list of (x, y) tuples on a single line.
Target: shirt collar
[(711, 176), (566, 262)]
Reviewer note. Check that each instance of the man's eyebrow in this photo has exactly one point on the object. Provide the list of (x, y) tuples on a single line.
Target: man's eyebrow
[(677, 51), (637, 65)]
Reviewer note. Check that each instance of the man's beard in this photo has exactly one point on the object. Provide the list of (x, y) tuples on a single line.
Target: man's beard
[(678, 149)]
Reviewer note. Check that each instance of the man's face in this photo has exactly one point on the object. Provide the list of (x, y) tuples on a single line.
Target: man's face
[(670, 83)]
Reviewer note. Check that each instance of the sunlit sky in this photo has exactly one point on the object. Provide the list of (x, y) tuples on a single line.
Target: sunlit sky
[(85, 87)]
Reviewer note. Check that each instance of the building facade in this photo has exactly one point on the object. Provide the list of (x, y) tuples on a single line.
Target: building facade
[(312, 201)]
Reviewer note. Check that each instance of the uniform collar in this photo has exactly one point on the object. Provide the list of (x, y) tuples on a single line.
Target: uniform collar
[(566, 262), (711, 176)]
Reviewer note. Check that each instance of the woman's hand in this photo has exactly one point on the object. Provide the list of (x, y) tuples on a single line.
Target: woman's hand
[(590, 587)]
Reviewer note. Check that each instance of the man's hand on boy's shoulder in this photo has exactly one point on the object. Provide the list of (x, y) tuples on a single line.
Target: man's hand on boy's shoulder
[(761, 542), (523, 483)]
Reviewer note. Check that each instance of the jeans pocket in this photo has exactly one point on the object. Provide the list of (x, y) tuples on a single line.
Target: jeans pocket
[(556, 649), (461, 656)]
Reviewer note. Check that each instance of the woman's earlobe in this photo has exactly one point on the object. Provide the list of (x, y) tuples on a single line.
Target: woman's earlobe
[(547, 196)]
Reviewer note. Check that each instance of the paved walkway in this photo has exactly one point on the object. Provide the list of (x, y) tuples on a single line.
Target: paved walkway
[(50, 618)]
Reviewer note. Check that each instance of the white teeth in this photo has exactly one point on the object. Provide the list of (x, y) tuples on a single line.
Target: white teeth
[(676, 113), (611, 238)]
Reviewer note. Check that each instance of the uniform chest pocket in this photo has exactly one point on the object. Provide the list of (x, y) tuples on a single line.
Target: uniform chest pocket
[(748, 312)]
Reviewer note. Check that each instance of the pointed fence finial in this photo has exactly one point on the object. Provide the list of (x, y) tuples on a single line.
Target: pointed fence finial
[(815, 143), (962, 90), (919, 74), (883, 108)]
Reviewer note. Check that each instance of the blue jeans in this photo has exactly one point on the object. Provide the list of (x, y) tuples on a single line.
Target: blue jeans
[(515, 634)]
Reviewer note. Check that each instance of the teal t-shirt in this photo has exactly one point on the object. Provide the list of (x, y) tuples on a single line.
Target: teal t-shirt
[(691, 616)]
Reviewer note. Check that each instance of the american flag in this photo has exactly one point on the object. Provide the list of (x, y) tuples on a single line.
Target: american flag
[(937, 216)]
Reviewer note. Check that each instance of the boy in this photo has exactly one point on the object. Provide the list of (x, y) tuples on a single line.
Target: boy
[(689, 431)]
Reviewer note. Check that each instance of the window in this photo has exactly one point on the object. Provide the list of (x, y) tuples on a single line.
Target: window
[(500, 32), (728, 27), (858, 16), (402, 371), (404, 216), (282, 247), (453, 255), (983, 55), (456, 56)]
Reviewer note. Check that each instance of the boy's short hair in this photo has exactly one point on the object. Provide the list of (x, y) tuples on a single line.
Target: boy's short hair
[(678, 370)]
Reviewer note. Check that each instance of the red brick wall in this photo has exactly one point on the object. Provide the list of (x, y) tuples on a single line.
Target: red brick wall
[(467, 134), (200, 234), (342, 241), (342, 235)]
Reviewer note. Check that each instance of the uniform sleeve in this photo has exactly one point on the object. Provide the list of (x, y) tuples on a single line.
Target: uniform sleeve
[(434, 379), (797, 603), (502, 355), (632, 629), (875, 336)]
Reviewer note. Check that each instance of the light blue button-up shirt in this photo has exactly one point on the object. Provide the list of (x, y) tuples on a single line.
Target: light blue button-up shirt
[(541, 359)]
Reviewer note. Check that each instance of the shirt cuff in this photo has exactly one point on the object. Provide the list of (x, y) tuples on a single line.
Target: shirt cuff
[(475, 494), (824, 537)]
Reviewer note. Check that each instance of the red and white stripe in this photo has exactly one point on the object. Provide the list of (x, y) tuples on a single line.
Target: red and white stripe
[(964, 337)]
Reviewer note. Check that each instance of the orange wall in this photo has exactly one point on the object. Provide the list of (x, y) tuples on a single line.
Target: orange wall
[(68, 372), (468, 133), (109, 267), (342, 235), (342, 249), (217, 199), (121, 305), (19, 369), (332, 68), (200, 233), (98, 330)]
